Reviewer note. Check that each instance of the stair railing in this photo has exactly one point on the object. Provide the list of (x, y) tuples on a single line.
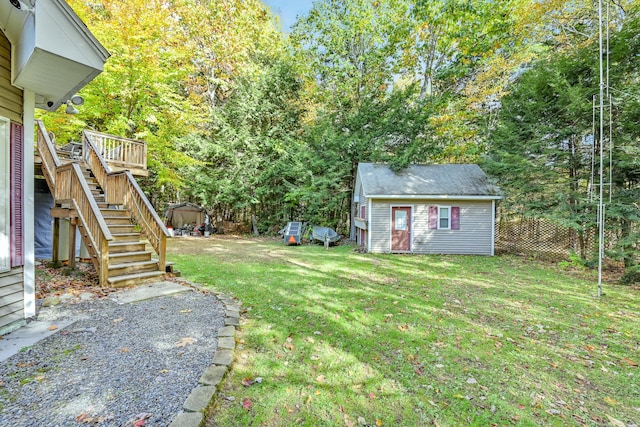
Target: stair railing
[(120, 188), (93, 228), (67, 183), (129, 193), (50, 160)]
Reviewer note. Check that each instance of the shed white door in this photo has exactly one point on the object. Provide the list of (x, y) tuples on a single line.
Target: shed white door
[(400, 229)]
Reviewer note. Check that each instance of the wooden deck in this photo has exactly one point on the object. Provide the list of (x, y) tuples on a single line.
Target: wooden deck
[(93, 186)]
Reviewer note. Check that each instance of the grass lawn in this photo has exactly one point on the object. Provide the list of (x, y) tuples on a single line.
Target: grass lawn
[(340, 338)]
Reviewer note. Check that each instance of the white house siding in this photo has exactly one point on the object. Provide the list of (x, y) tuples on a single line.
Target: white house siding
[(474, 236), (12, 281)]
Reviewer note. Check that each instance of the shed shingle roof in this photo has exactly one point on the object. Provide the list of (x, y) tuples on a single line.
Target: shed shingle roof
[(426, 180)]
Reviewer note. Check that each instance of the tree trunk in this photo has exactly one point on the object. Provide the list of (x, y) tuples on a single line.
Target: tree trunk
[(254, 221)]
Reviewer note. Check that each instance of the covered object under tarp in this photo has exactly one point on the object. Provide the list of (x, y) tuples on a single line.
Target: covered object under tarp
[(184, 214), (43, 225)]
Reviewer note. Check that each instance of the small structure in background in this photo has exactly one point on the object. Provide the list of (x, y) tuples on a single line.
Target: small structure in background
[(325, 235), (425, 209), (188, 219), (293, 233)]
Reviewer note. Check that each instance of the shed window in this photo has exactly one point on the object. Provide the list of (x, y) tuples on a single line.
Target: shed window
[(444, 220), (444, 217)]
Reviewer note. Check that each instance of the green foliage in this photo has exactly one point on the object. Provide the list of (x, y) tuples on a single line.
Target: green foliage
[(631, 276), (543, 146)]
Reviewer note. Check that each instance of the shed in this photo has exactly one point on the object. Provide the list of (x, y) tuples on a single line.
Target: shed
[(427, 209), (185, 214)]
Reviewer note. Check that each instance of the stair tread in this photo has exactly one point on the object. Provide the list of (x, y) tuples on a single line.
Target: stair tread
[(126, 254), (144, 275), (117, 245), (132, 264)]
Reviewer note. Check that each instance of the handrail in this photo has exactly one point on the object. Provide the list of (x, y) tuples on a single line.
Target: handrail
[(96, 162), (50, 160), (122, 184), (118, 151), (122, 189), (97, 234)]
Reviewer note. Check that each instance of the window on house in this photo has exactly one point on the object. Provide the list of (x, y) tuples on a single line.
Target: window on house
[(444, 217)]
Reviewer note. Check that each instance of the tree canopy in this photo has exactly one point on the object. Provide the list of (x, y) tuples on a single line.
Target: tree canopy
[(266, 127)]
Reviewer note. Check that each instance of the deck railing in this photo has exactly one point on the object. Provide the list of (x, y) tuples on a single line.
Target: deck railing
[(121, 188), (119, 152)]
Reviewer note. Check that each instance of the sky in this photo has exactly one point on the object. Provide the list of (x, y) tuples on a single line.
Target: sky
[(288, 10)]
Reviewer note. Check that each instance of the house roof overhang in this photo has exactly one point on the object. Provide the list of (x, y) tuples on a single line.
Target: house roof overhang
[(53, 52)]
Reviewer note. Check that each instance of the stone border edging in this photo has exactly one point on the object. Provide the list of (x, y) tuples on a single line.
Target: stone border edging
[(210, 381)]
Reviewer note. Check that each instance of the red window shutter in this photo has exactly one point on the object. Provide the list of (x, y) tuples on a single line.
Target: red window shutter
[(455, 218), (17, 187), (433, 217)]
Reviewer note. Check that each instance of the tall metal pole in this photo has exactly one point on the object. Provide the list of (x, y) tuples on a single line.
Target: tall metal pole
[(601, 152)]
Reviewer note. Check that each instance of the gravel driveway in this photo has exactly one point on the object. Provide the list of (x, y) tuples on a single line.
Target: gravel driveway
[(117, 365)]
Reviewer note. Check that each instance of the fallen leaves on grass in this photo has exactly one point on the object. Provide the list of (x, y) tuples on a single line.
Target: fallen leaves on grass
[(248, 382), (247, 404), (289, 344)]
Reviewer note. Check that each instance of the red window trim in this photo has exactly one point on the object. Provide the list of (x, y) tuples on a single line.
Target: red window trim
[(16, 147)]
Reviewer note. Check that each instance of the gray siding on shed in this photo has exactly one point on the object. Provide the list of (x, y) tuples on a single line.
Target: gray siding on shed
[(475, 236), (11, 297)]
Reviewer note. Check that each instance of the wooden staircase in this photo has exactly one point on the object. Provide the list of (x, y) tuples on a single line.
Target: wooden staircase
[(119, 227)]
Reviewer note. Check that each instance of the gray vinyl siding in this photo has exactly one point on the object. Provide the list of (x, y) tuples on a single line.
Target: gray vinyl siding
[(474, 236), (10, 96), (11, 297), (380, 226)]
